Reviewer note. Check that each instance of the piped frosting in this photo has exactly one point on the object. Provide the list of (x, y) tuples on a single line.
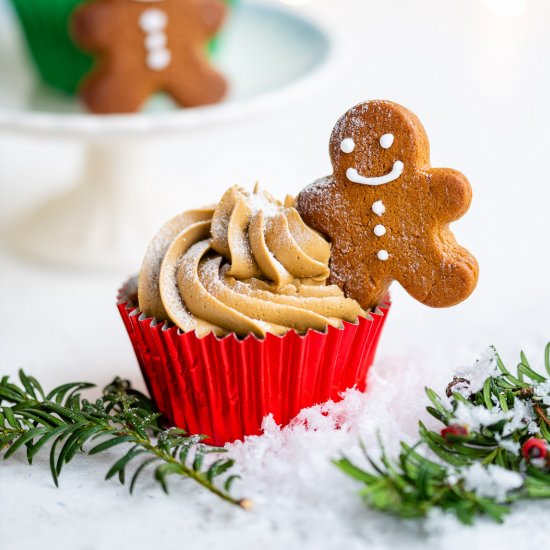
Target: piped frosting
[(248, 265)]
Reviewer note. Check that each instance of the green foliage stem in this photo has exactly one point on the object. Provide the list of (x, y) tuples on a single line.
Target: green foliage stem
[(414, 484), (122, 417)]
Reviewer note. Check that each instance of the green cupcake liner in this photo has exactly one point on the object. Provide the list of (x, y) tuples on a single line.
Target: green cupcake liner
[(45, 25), (59, 62)]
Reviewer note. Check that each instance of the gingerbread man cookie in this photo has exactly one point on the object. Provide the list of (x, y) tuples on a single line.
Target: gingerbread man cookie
[(147, 46), (386, 211)]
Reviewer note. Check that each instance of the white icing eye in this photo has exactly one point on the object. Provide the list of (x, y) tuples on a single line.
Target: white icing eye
[(347, 145), (386, 141)]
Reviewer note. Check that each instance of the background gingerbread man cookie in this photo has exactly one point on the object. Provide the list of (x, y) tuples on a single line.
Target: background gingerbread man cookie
[(147, 46), (386, 211)]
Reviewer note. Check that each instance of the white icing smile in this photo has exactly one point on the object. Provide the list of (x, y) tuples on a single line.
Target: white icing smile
[(395, 172)]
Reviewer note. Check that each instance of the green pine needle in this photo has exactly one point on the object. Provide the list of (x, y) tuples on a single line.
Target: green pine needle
[(122, 417), (414, 484)]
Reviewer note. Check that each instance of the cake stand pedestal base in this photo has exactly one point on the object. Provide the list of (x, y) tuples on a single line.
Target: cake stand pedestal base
[(104, 220)]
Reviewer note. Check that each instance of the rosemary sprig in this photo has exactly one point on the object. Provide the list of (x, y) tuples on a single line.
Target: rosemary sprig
[(31, 419), (502, 428)]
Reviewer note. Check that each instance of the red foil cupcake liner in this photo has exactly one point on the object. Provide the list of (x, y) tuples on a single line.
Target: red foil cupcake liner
[(224, 387)]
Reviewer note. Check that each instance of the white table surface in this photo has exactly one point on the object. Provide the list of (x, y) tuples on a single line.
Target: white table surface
[(480, 83)]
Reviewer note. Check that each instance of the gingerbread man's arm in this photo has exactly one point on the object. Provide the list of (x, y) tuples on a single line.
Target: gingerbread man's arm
[(90, 25), (212, 14), (314, 205), (451, 191)]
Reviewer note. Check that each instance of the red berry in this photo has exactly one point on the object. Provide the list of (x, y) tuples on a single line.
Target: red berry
[(455, 430), (534, 448)]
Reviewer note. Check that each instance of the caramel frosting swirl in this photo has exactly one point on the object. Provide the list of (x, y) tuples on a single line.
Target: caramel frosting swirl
[(248, 265)]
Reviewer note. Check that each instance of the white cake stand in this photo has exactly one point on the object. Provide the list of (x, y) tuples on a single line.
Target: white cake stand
[(269, 55)]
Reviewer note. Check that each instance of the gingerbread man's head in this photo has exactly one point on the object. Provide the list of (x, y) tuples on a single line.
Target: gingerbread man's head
[(387, 211), (376, 142)]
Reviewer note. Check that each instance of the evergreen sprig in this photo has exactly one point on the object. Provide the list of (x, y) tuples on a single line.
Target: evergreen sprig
[(30, 419), (414, 484)]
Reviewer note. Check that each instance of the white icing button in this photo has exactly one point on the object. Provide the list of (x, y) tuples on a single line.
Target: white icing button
[(383, 255), (156, 40), (386, 141), (379, 230), (378, 208), (158, 60), (347, 145), (153, 20)]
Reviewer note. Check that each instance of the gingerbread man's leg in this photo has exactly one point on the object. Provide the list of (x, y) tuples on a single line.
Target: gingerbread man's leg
[(108, 91), (199, 85), (442, 274)]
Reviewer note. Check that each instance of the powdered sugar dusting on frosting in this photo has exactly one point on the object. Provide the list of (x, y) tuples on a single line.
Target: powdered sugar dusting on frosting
[(259, 201)]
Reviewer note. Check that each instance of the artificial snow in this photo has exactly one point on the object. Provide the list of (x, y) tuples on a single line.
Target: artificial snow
[(490, 481), (542, 390), (521, 414), (533, 428), (508, 444), (476, 416), (476, 374)]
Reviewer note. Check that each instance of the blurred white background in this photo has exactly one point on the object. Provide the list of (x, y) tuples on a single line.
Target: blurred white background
[(476, 72)]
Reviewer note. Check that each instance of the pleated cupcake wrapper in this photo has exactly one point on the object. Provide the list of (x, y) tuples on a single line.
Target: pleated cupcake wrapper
[(46, 26), (224, 387)]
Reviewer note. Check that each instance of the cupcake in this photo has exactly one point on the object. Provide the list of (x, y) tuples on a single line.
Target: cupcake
[(58, 58), (232, 318), (253, 307)]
